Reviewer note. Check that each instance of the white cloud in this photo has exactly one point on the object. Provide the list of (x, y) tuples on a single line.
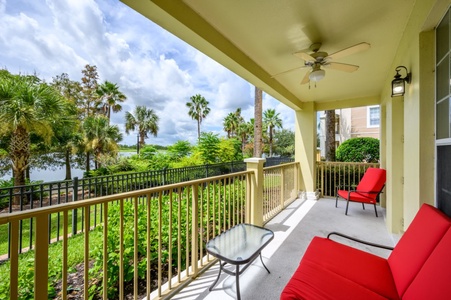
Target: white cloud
[(150, 65)]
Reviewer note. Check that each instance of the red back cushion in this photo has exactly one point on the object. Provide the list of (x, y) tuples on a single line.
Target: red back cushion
[(433, 280), (372, 181), (417, 243)]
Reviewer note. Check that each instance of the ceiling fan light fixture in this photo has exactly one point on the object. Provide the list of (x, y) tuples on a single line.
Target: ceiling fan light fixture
[(317, 75)]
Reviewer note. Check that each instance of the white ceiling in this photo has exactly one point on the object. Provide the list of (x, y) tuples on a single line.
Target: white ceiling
[(257, 38)]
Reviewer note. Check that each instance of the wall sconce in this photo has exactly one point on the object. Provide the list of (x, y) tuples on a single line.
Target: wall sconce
[(398, 85)]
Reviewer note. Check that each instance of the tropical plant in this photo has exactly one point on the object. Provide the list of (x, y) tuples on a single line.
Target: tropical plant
[(198, 110), (27, 106), (272, 121), (111, 97), (100, 137), (144, 120)]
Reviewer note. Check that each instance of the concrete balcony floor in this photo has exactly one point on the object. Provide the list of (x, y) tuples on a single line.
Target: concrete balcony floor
[(294, 228)]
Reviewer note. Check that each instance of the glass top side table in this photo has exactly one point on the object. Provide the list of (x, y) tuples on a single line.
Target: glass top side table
[(239, 245)]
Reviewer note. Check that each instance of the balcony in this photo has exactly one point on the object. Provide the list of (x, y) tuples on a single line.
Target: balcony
[(294, 227), (146, 236)]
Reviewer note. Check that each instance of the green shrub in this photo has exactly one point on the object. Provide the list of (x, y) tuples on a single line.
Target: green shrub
[(365, 149)]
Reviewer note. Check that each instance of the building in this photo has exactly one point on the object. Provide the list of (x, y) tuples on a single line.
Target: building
[(351, 123)]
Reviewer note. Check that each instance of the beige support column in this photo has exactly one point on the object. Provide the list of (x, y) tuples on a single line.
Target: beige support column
[(305, 148), (255, 201), (394, 188), (383, 149)]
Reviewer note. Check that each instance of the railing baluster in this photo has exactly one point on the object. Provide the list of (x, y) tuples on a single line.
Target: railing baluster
[(14, 259), (64, 250), (41, 257)]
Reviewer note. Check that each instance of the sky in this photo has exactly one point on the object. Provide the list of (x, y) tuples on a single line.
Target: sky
[(151, 66)]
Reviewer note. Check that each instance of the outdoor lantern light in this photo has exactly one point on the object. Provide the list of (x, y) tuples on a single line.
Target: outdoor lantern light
[(398, 86)]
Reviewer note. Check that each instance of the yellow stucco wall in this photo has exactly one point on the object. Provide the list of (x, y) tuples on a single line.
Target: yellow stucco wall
[(414, 164)]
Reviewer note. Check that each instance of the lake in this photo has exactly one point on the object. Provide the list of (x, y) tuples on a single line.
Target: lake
[(57, 174)]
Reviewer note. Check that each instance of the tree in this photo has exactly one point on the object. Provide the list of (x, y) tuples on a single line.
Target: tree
[(258, 131), (272, 121), (229, 150), (180, 149), (67, 136), (100, 137), (330, 135), (232, 122), (284, 142), (90, 101), (111, 98), (198, 110), (209, 147), (27, 106), (144, 121), (245, 131)]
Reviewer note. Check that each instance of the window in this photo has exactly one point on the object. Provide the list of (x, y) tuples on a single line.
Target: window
[(373, 116)]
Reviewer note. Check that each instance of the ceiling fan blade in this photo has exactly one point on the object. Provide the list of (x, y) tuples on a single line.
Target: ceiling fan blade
[(304, 56), (349, 51), (306, 78), (341, 67), (288, 71)]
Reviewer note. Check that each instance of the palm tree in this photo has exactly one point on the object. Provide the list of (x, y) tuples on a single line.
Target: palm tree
[(144, 121), (272, 121), (244, 131), (198, 110), (111, 97), (100, 137), (258, 143), (27, 106), (330, 135)]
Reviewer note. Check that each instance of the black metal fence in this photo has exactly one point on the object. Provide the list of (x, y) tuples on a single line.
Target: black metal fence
[(32, 196)]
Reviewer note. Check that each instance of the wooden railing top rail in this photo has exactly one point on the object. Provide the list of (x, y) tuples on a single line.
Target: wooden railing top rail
[(21, 215), (280, 166), (344, 163)]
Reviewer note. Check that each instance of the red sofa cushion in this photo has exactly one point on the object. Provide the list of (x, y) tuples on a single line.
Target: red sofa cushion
[(363, 268), (417, 243), (433, 280), (312, 282)]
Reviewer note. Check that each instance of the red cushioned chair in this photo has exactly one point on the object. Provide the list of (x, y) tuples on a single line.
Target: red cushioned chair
[(368, 190)]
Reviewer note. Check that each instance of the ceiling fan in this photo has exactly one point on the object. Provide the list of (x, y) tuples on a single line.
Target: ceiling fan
[(318, 59)]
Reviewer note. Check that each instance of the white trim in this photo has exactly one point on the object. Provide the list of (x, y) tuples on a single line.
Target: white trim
[(368, 109)]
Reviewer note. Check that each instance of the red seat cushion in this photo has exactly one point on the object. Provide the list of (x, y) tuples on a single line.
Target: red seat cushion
[(313, 282), (417, 243), (369, 186), (362, 268), (358, 197), (433, 280)]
